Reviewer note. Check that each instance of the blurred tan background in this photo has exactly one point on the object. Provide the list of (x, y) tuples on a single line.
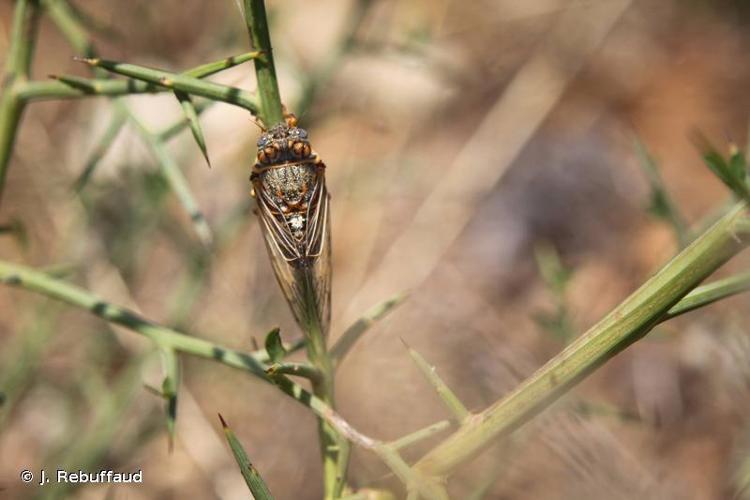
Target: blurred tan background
[(459, 136)]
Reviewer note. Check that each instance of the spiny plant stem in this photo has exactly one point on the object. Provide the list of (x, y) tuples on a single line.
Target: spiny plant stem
[(73, 87), (627, 323), (43, 283), (177, 82), (25, 21), (164, 337), (334, 449), (29, 279), (265, 71)]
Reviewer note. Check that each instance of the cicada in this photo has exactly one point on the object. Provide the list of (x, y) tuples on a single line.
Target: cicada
[(290, 190)]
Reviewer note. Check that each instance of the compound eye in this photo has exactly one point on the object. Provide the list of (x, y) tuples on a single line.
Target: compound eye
[(271, 152), (301, 149)]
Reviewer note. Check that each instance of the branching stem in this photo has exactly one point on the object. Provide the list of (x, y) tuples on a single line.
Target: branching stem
[(627, 323)]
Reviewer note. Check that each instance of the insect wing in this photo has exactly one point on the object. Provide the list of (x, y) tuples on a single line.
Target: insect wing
[(303, 271), (319, 249)]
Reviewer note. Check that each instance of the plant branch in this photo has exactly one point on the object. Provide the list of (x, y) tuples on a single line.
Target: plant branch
[(305, 370), (40, 282), (334, 449), (22, 39), (29, 279), (627, 323), (74, 87), (710, 293), (265, 71), (17, 67), (352, 334), (176, 180), (449, 398), (180, 82), (419, 435)]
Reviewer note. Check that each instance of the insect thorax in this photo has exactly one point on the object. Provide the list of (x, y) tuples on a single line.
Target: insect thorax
[(291, 189)]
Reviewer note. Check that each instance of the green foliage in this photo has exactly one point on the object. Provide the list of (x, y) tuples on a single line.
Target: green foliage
[(274, 346)]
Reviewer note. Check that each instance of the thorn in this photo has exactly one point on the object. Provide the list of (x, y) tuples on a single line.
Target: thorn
[(153, 390), (223, 422), (166, 81), (87, 60)]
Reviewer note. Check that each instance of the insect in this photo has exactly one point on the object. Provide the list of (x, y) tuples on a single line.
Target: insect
[(289, 186)]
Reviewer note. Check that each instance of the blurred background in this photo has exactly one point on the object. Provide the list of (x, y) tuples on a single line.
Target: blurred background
[(481, 155)]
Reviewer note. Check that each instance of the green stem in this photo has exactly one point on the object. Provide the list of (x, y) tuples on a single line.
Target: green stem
[(11, 110), (64, 17), (265, 71), (449, 398), (708, 294), (17, 67), (22, 38), (29, 279), (334, 449), (23, 277), (164, 337), (627, 323), (175, 178), (214, 67), (419, 435), (351, 335), (294, 369), (73, 87), (179, 81), (118, 119)]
